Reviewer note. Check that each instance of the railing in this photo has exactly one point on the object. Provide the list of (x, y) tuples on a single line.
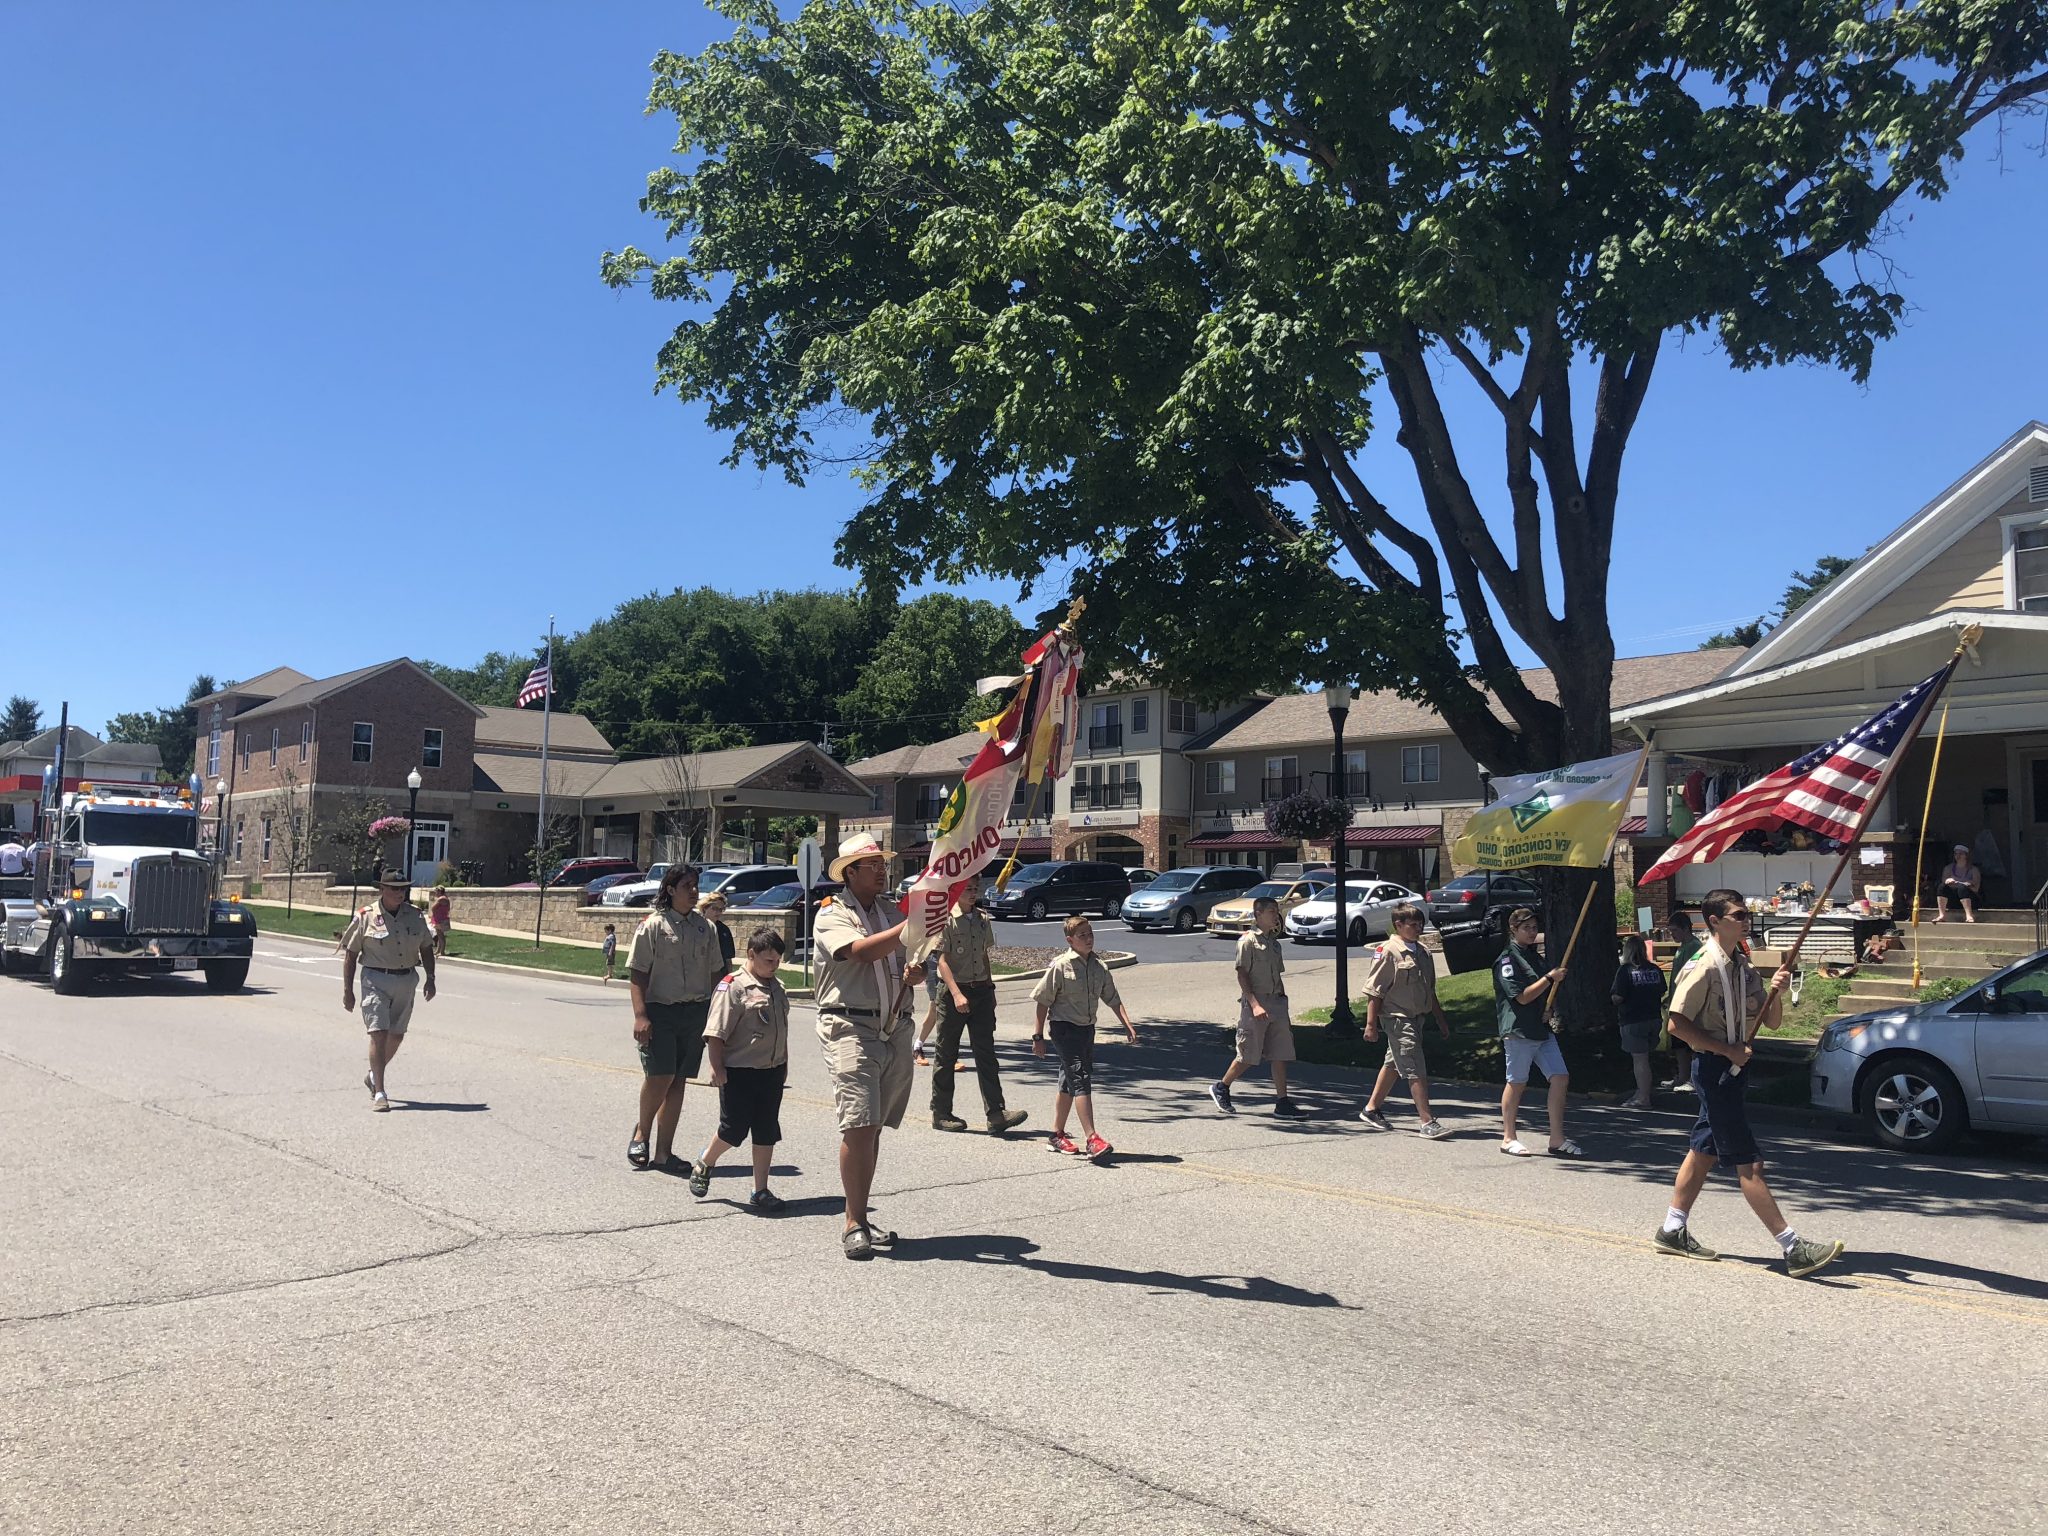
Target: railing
[(2041, 917), (1352, 784), (1279, 789), (1106, 797), (1100, 736)]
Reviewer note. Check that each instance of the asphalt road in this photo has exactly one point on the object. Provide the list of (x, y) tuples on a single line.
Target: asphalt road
[(235, 1300)]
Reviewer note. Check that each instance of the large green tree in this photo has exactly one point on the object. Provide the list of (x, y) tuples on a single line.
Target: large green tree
[(918, 683), (21, 719), (171, 730), (1111, 286), (1803, 588), (495, 680)]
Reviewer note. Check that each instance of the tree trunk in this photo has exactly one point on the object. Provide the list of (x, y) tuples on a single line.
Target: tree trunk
[(1583, 1006)]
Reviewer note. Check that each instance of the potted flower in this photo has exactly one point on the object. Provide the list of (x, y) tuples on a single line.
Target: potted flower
[(1308, 817), (395, 830)]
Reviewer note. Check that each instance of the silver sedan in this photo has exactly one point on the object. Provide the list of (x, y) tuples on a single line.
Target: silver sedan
[(1920, 1075)]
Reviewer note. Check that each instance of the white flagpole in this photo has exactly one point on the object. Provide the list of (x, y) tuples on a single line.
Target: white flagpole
[(547, 705)]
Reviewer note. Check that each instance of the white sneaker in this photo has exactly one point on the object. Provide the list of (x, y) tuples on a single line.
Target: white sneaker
[(1436, 1130), (379, 1103)]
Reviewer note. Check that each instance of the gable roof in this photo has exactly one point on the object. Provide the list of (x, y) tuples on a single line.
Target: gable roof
[(948, 756), (731, 768), (519, 730), (1990, 483), (267, 685), (312, 692), (1300, 719)]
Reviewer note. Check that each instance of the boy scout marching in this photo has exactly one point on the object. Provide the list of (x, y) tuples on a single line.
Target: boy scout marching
[(391, 943)]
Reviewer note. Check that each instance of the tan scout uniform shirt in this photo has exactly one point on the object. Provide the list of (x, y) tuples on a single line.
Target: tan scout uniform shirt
[(1073, 986), (390, 941), (850, 989), (752, 1017), (679, 954), (966, 943), (1259, 959), (1403, 977), (1708, 983)]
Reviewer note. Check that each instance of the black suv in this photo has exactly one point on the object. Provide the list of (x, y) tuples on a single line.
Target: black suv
[(1038, 890), (1471, 916)]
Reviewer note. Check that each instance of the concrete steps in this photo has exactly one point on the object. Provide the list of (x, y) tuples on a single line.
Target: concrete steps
[(1953, 950)]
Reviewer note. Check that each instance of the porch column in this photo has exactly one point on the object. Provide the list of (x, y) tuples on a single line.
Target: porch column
[(714, 840), (760, 837), (1658, 817), (828, 841)]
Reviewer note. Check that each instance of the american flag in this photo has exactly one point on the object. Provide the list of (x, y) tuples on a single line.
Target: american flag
[(537, 686), (1829, 791)]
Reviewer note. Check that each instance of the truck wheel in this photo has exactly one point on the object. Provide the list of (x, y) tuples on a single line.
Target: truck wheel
[(67, 976), (226, 975)]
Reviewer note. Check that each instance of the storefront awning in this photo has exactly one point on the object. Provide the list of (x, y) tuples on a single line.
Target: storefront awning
[(1634, 826), (1420, 836), (1261, 841)]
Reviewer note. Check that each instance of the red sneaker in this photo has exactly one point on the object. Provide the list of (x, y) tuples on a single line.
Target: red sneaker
[(1060, 1141), (1098, 1148)]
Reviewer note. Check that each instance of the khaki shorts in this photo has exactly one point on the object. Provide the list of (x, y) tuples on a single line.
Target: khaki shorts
[(387, 1000), (1404, 1045), (1267, 1039), (871, 1073)]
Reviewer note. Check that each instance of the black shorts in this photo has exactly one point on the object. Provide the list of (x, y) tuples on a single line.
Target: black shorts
[(1076, 1046), (675, 1040), (1722, 1131), (750, 1104)]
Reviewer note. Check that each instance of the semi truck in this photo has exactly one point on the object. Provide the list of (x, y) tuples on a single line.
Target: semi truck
[(120, 884)]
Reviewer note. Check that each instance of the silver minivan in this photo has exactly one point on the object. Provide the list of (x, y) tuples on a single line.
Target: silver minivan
[(1181, 898)]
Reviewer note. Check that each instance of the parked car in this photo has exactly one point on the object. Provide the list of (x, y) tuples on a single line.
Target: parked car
[(595, 890), (1184, 897), (580, 872), (1061, 885), (634, 893), (1368, 912), (735, 881), (1920, 1075), (1235, 915), (1140, 878), (787, 898), (1470, 915)]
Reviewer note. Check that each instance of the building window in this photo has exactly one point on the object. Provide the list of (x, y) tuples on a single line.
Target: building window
[(878, 799), (274, 736), (266, 839), (1181, 716), (238, 839), (1141, 716), (213, 746), (1107, 732), (430, 750), (1356, 780), (1283, 778), (931, 799), (1219, 776), (1419, 765), (360, 742), (2030, 569), (305, 740)]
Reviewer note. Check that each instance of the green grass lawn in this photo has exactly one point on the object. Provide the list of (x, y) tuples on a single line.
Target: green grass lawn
[(546, 956)]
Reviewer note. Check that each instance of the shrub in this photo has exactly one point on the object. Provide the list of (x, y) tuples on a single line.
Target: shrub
[(1624, 906), (1942, 988), (447, 874)]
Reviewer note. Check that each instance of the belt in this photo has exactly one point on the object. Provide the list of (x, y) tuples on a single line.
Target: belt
[(854, 1013), (390, 970)]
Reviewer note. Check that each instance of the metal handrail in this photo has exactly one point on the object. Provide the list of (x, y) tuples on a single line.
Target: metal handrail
[(2041, 916)]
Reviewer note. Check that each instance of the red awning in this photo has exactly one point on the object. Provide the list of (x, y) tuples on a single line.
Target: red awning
[(1264, 841), (918, 852), (1635, 826), (1391, 837)]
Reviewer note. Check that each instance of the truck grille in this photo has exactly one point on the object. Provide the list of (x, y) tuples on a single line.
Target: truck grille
[(168, 897)]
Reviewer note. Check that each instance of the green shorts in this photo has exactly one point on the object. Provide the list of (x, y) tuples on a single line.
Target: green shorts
[(676, 1046)]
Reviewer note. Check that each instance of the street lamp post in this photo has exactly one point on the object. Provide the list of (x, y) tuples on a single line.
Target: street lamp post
[(412, 821), (1337, 698), (220, 822)]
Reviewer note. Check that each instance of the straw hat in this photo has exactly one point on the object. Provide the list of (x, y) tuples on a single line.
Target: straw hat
[(861, 845)]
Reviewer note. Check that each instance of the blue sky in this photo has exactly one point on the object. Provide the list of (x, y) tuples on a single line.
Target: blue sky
[(300, 305)]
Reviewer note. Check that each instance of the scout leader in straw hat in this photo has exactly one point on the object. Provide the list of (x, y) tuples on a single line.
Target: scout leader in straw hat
[(864, 1024), (391, 940)]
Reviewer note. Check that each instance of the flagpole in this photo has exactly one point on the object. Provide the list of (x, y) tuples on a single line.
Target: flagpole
[(1634, 783), (1884, 785), (547, 704)]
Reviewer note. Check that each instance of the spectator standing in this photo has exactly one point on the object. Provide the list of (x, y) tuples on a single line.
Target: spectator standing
[(610, 948), (1400, 991), (1679, 926), (714, 914), (1068, 995), (1637, 993), (439, 918), (1521, 992)]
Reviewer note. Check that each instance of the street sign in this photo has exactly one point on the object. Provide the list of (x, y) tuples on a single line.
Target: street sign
[(810, 868)]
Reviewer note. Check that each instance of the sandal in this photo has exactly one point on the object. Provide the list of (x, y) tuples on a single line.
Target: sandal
[(883, 1238), (679, 1166), (636, 1151), (1515, 1149), (1567, 1149), (858, 1243), (700, 1180)]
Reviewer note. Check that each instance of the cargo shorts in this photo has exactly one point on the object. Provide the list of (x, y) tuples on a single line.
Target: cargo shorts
[(1404, 1045), (675, 1041), (871, 1072), (1267, 1039), (387, 998)]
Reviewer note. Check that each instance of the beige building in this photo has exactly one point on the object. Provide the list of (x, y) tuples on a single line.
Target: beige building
[(1977, 553)]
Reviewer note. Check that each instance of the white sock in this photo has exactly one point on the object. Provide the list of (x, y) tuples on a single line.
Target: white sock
[(1674, 1219), (1788, 1240)]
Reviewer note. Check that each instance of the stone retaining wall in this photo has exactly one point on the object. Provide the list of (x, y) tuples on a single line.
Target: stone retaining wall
[(471, 906)]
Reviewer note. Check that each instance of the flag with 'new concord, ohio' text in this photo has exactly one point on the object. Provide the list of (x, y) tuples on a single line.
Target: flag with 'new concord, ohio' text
[(1567, 815)]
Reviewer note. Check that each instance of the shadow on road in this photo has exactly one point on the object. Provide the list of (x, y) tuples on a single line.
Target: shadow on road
[(449, 1109), (994, 1248)]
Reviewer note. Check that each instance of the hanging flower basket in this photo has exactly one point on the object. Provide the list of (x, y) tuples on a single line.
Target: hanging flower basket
[(1308, 818), (390, 826)]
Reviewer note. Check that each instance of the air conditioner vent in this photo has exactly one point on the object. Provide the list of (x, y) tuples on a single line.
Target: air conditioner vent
[(2037, 483)]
